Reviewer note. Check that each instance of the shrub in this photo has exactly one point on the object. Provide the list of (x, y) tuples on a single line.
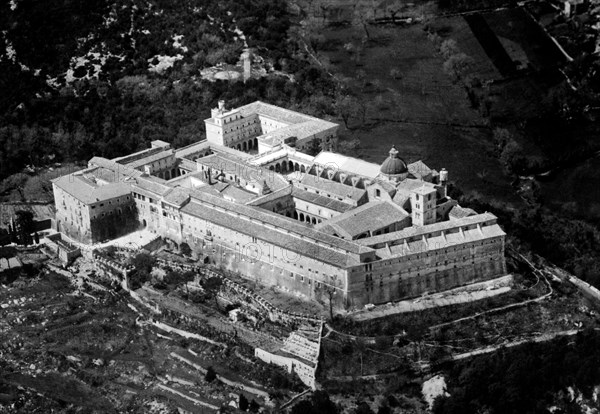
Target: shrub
[(211, 375), (243, 402)]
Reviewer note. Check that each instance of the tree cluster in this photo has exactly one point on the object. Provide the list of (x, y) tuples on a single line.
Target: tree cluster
[(125, 107), (567, 242), (524, 379), (143, 263), (319, 403)]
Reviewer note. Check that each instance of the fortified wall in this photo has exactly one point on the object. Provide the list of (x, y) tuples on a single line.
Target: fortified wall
[(332, 228)]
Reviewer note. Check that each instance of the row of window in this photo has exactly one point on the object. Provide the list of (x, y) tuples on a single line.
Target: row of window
[(325, 194), (307, 280), (431, 281), (417, 197), (109, 202), (437, 249), (493, 257), (119, 211)]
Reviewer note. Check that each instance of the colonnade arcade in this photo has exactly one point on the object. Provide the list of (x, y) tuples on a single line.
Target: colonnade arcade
[(303, 217), (170, 173), (249, 145), (287, 166)]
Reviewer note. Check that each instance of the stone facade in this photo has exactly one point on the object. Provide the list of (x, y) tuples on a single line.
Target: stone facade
[(330, 227), (93, 220), (260, 127)]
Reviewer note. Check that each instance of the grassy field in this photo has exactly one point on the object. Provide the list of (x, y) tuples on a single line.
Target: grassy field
[(422, 111), (521, 98), (521, 41), (515, 28), (420, 92), (457, 28), (575, 190), (465, 152)]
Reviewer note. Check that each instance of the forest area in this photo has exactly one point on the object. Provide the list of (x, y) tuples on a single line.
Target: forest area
[(78, 82), (528, 379), (82, 79), (77, 78)]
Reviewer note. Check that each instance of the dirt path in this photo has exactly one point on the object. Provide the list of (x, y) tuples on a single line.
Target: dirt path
[(486, 350), (537, 272)]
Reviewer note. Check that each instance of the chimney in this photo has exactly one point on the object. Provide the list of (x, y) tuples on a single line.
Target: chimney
[(221, 106), (265, 189)]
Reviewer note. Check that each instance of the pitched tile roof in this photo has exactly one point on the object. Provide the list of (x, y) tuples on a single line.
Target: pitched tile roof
[(177, 197), (230, 164), (242, 223), (238, 194), (151, 158), (331, 187), (277, 221), (419, 169), (123, 171), (438, 241), (89, 191), (484, 219), (281, 114), (371, 216), (321, 200), (342, 163), (127, 159), (275, 195)]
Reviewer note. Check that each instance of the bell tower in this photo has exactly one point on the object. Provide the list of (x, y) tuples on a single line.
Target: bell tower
[(423, 202)]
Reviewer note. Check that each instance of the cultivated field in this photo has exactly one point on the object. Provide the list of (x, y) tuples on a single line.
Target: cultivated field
[(457, 28), (421, 110)]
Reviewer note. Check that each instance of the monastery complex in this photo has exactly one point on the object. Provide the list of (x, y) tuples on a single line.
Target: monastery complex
[(249, 198)]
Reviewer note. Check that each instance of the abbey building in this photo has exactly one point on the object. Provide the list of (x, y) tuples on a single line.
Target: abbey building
[(250, 199)]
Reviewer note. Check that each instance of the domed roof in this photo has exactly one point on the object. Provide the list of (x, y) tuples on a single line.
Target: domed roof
[(393, 164)]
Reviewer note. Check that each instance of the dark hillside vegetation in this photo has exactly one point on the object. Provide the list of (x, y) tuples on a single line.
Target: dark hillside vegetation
[(525, 379), (457, 6), (53, 108), (567, 242)]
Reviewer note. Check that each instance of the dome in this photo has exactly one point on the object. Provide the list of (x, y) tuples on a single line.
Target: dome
[(393, 165)]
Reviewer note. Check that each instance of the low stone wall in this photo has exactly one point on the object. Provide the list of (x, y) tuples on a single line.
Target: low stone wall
[(305, 372), (275, 314), (164, 327), (65, 250), (586, 289), (187, 397), (224, 380), (117, 269), (298, 349)]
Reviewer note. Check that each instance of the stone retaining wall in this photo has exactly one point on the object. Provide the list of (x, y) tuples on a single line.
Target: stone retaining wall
[(275, 314)]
